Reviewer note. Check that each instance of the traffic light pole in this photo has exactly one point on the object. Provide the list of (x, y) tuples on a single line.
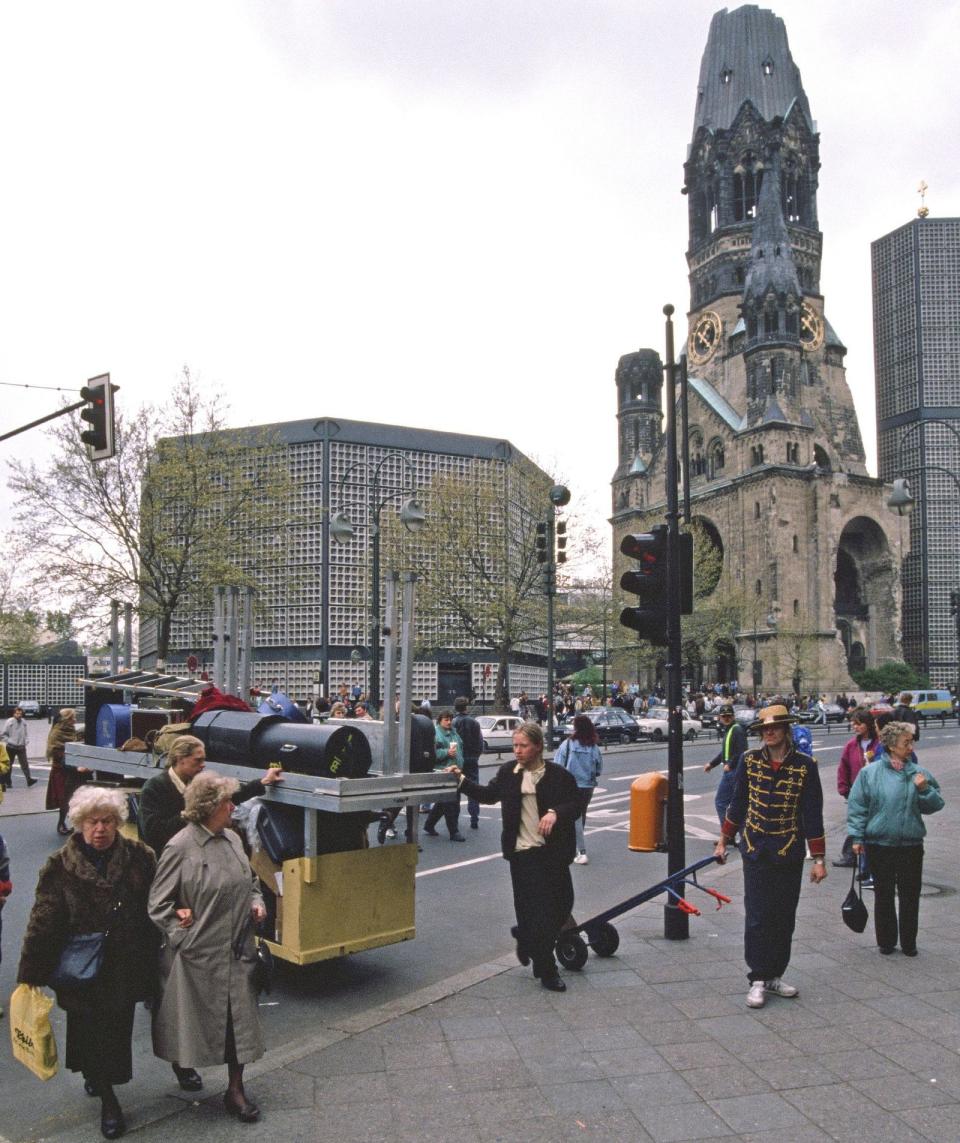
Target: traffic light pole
[(676, 924)]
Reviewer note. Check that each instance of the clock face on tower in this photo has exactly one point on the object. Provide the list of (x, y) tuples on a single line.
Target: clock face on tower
[(704, 337), (811, 327)]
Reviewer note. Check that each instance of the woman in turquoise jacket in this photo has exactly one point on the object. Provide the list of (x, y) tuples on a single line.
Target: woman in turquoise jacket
[(447, 751), (885, 816)]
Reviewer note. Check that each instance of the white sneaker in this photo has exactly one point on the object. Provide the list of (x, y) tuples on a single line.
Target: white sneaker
[(778, 988), (756, 997), (391, 832), (581, 859)]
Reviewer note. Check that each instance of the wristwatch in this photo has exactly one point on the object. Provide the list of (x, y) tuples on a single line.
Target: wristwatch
[(819, 861)]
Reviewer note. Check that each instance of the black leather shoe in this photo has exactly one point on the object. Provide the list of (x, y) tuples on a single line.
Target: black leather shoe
[(31, 782), (522, 956), (430, 832), (188, 1078), (908, 952), (243, 1110), (112, 1124), (474, 824), (552, 982), (457, 837), (886, 949), (90, 1088)]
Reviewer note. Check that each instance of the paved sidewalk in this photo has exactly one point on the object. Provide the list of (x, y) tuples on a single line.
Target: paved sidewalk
[(653, 1044)]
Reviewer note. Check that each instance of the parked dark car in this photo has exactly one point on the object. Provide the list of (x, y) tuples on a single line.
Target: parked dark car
[(612, 723)]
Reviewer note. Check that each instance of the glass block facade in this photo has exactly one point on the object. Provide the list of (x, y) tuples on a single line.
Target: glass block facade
[(51, 684), (313, 594), (916, 318)]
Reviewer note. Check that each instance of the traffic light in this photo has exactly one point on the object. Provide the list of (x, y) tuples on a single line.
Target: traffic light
[(98, 393), (561, 541), (541, 542), (649, 583)]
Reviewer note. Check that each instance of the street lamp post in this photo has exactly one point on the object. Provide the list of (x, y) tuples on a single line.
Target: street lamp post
[(412, 517)]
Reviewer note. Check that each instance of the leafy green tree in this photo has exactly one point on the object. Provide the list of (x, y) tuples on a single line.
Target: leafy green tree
[(891, 677), (181, 508)]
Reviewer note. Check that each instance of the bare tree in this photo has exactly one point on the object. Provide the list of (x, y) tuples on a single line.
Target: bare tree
[(481, 584), (176, 512)]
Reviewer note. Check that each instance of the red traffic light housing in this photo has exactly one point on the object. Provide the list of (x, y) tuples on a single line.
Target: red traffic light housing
[(99, 438), (648, 582)]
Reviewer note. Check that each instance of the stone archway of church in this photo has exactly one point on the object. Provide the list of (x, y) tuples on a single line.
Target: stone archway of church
[(865, 594)]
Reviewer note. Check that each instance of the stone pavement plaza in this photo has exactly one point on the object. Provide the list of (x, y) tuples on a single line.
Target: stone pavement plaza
[(655, 1043)]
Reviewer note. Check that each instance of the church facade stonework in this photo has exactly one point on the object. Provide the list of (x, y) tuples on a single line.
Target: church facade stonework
[(778, 481)]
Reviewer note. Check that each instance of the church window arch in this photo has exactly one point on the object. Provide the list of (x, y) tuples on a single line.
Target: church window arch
[(756, 509), (822, 458), (716, 457), (726, 75), (770, 321), (747, 181), (767, 66), (758, 587), (796, 607), (796, 543)]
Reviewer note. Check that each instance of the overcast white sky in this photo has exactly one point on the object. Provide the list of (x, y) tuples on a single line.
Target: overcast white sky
[(456, 214)]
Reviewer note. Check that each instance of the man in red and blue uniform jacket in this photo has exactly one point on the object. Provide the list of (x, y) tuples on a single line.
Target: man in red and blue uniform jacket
[(777, 806)]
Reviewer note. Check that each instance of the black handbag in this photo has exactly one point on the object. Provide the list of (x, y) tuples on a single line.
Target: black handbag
[(853, 910), (263, 969), (80, 962)]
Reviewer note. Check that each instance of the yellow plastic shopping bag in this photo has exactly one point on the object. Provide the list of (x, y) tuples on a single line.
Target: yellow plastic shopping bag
[(31, 1035)]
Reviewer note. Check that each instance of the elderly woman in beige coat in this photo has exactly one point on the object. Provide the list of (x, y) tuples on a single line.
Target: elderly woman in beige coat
[(205, 899)]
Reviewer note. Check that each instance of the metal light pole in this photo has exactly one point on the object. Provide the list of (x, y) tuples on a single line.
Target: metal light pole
[(412, 517), (676, 923), (559, 496)]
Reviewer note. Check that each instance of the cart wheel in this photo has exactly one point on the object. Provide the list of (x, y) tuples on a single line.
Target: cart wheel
[(572, 951), (605, 940)]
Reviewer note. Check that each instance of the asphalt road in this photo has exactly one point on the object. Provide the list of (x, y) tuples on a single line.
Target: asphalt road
[(464, 906)]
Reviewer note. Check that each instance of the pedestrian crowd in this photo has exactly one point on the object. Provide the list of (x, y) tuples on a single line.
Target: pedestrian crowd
[(176, 913)]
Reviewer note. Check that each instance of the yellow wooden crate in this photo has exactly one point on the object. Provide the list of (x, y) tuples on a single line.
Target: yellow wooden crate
[(346, 902)]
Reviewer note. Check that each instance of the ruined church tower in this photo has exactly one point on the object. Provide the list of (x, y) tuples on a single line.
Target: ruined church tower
[(810, 553)]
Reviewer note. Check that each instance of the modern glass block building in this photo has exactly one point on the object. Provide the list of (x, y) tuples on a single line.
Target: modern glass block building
[(916, 328), (313, 615)]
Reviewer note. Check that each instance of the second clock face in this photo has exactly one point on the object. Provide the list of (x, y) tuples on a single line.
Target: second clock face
[(811, 327), (704, 337)]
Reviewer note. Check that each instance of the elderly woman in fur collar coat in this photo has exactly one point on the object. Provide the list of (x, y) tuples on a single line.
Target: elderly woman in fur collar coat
[(98, 882)]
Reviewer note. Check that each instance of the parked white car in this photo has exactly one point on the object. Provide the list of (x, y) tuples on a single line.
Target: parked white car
[(497, 730), (654, 725)]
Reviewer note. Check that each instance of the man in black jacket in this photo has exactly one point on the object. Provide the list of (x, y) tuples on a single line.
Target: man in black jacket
[(539, 806), (904, 712), (472, 738)]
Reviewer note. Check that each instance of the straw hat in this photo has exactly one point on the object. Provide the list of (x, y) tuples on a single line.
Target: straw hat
[(772, 716)]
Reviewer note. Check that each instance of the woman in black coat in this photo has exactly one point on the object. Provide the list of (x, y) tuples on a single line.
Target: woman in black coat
[(539, 805), (98, 882)]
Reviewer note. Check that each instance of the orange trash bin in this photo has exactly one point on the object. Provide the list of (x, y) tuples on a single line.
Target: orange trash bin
[(648, 800)]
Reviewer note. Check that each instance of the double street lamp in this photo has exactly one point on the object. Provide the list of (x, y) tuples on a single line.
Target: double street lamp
[(412, 516)]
